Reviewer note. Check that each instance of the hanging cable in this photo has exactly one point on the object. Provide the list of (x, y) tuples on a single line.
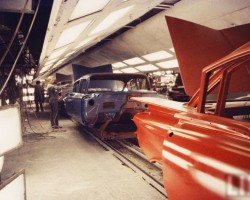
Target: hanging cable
[(20, 51), (14, 34)]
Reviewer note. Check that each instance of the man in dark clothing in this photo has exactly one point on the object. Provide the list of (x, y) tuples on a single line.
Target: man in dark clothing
[(53, 102), (39, 96)]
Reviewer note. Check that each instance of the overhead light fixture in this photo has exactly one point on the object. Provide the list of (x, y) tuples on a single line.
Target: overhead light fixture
[(57, 53), (61, 61), (129, 70), (111, 19), (70, 53), (55, 66), (168, 64), (45, 68), (117, 71), (134, 61), (148, 67), (86, 7), (159, 55), (49, 65), (50, 62), (172, 49), (84, 42), (70, 34), (119, 65)]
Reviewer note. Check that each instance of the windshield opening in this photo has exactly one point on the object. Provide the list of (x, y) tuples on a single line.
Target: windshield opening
[(136, 84)]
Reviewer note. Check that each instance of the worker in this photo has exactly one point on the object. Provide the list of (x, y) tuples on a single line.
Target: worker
[(53, 102), (39, 96)]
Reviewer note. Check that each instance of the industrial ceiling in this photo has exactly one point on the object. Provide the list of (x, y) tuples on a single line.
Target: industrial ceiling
[(109, 33), (132, 35), (76, 27)]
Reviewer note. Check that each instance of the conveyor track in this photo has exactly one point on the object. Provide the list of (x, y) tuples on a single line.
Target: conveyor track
[(158, 185)]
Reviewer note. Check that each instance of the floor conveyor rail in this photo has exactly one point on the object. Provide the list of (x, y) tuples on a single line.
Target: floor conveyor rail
[(135, 160)]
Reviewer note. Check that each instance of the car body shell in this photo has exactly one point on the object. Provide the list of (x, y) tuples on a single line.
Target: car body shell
[(203, 147), (97, 102)]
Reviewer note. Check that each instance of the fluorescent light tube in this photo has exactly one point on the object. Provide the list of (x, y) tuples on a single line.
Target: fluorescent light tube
[(60, 61), (45, 68), (168, 64), (129, 70), (82, 43), (70, 53), (119, 65), (134, 61), (111, 19), (69, 35), (117, 71), (159, 55), (86, 7), (57, 53), (148, 67)]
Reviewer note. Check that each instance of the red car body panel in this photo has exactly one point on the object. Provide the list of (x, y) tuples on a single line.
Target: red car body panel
[(205, 151), (197, 46)]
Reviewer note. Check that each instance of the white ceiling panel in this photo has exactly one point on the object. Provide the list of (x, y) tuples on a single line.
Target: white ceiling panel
[(145, 38)]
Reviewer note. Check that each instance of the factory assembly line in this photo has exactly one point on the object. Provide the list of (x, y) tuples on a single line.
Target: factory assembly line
[(124, 99)]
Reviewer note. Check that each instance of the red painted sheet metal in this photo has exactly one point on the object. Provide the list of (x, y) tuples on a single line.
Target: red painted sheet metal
[(197, 46), (152, 127), (201, 154), (204, 154), (202, 162), (240, 79)]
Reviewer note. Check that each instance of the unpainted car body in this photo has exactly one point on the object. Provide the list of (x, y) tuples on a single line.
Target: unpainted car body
[(204, 145), (103, 101)]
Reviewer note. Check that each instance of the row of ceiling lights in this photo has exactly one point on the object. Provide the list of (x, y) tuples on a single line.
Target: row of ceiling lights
[(138, 64), (69, 35)]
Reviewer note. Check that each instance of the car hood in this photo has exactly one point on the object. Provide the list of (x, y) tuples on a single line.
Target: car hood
[(197, 46)]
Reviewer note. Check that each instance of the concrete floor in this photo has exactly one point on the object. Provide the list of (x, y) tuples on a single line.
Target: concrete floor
[(67, 164)]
